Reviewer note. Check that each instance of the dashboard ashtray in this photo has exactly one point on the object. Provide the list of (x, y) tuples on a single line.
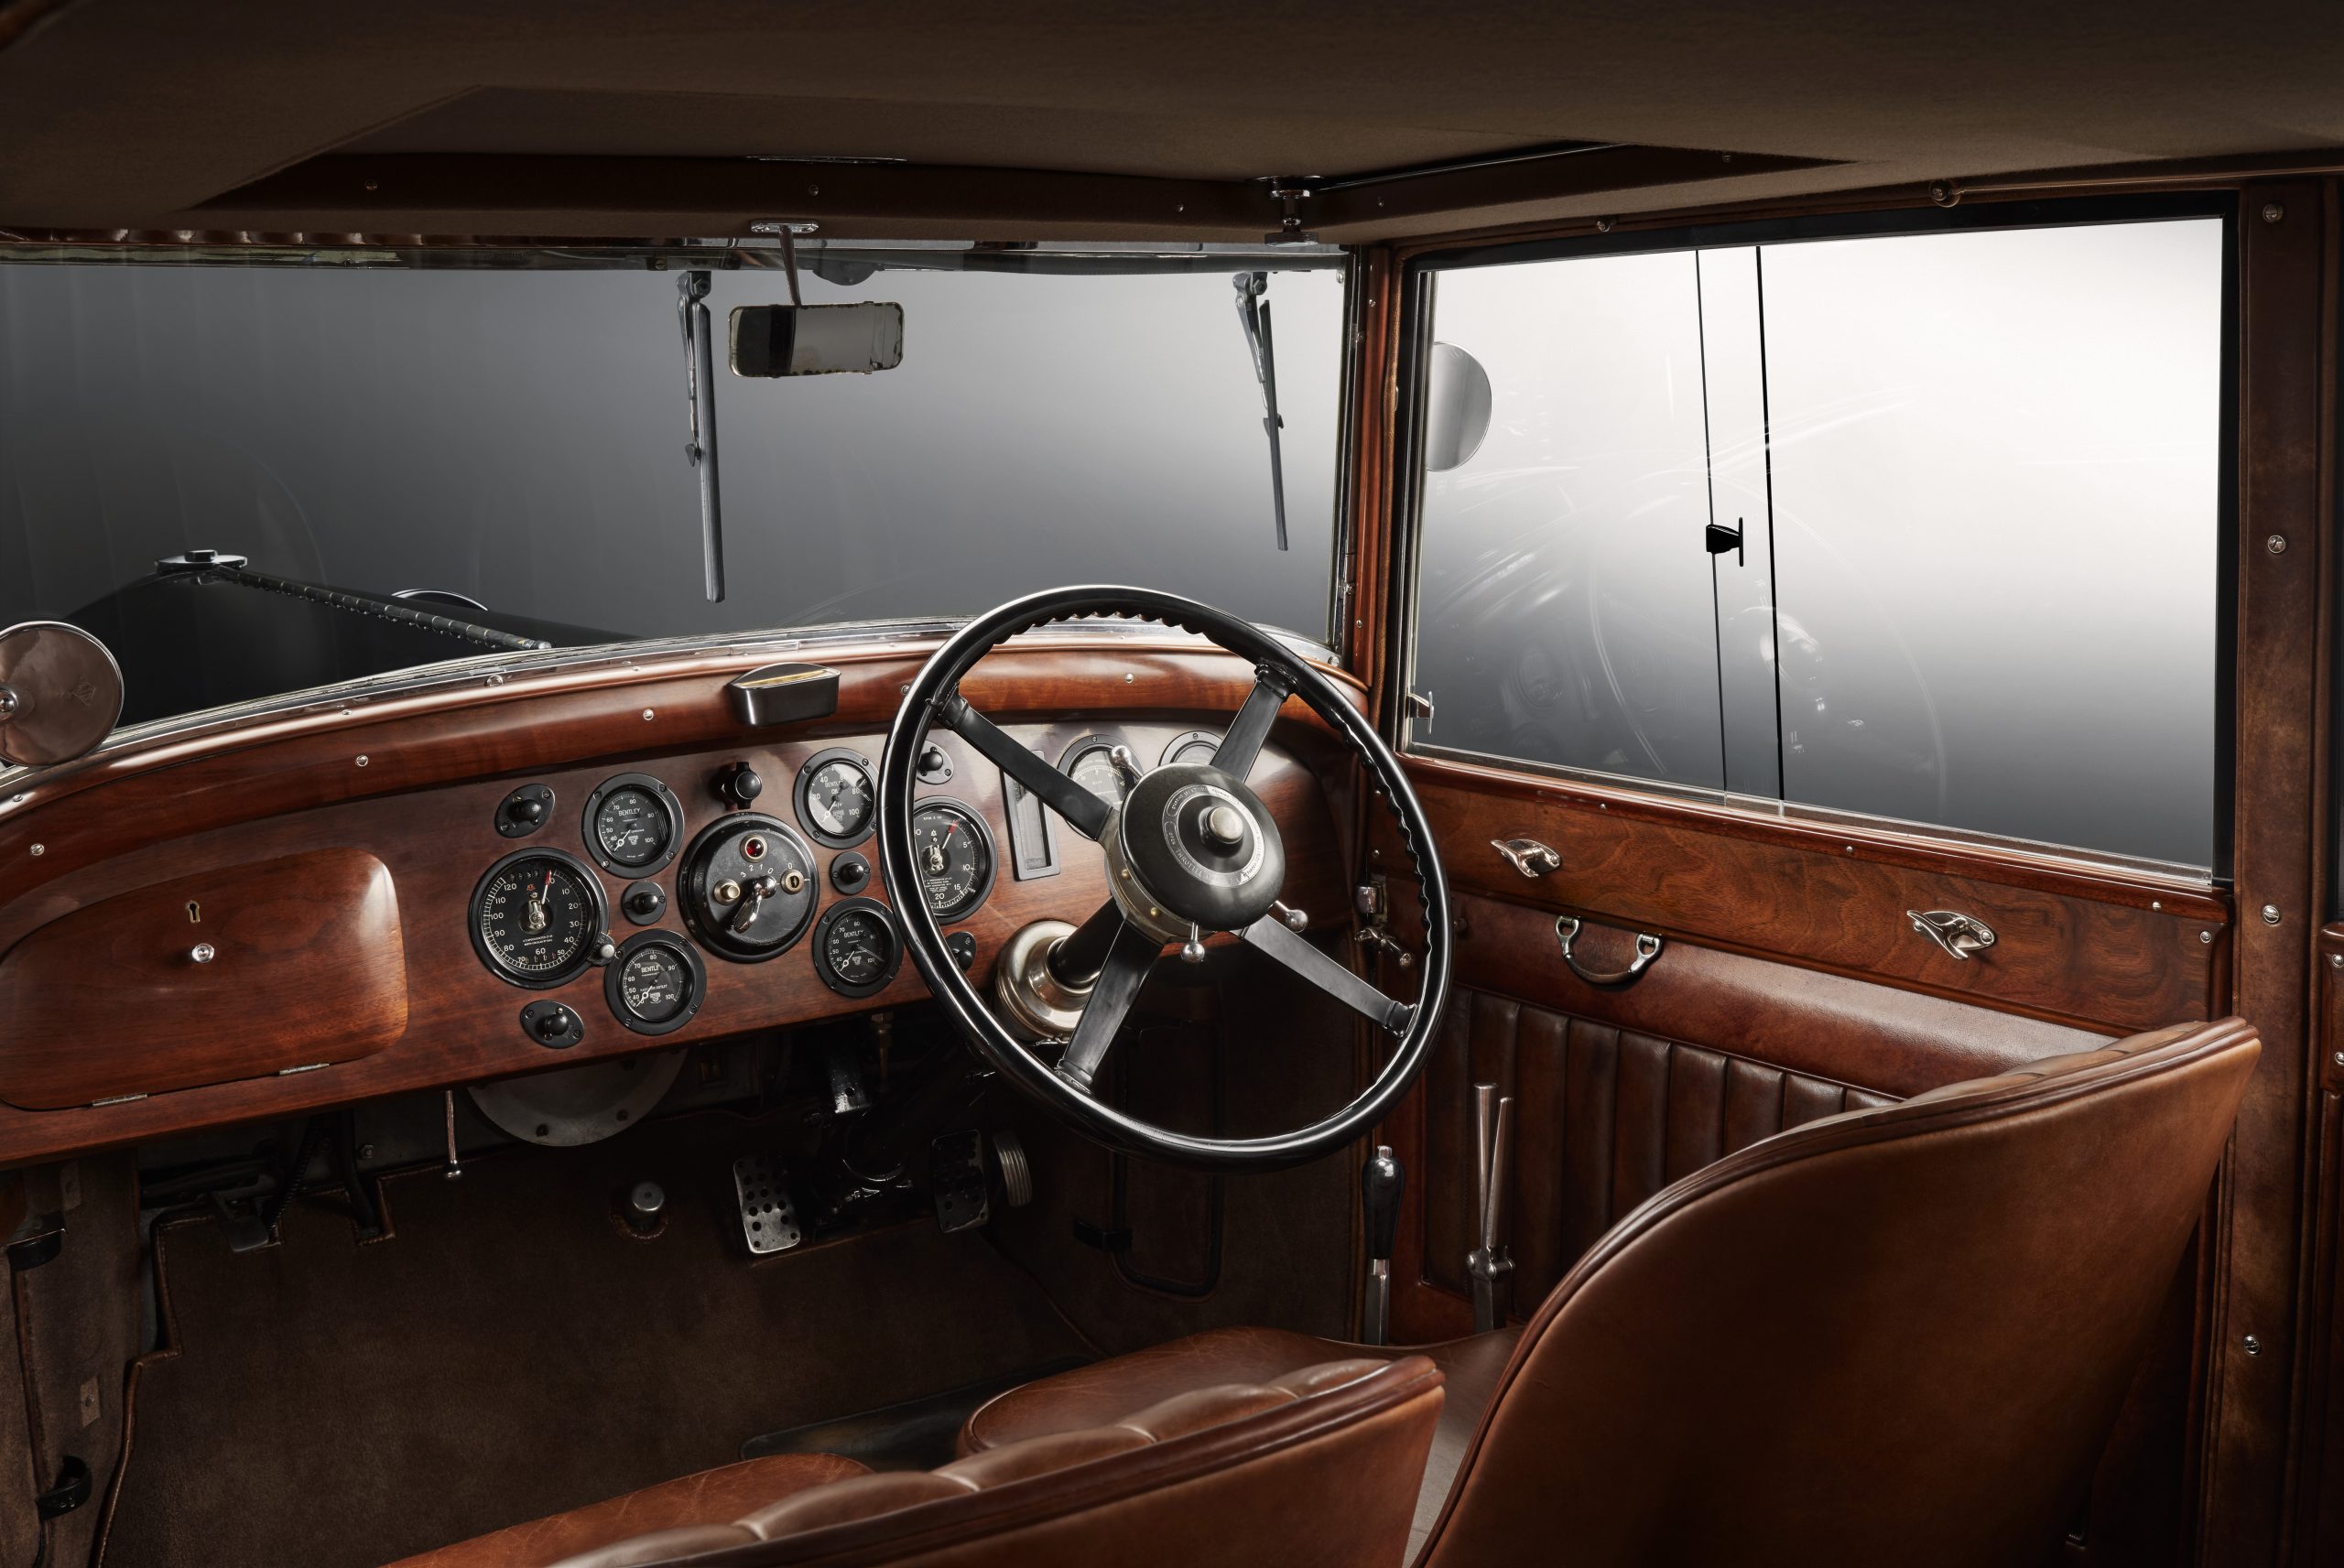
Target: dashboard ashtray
[(783, 694)]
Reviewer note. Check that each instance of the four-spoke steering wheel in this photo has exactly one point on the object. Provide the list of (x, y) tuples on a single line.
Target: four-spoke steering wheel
[(1191, 851)]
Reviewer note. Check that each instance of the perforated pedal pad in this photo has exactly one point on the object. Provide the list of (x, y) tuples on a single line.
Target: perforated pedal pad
[(768, 1220)]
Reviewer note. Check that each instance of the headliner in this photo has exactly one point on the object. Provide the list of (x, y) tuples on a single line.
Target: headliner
[(275, 114)]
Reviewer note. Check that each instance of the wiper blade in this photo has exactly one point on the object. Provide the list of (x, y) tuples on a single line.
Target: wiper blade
[(1253, 315)]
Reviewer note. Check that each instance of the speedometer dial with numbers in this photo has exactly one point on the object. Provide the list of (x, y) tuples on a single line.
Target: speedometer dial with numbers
[(952, 856), (535, 916)]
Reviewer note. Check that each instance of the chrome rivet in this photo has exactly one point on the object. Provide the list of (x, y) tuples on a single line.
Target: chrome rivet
[(1129, 677), (38, 850), (2339, 1058), (2272, 211), (2254, 1346), (362, 760), (2205, 936), (203, 952), (646, 714), (2336, 960), (2270, 915), (2277, 544), (2155, 903)]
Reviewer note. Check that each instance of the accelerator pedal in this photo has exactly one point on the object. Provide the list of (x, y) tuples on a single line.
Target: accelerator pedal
[(768, 1220)]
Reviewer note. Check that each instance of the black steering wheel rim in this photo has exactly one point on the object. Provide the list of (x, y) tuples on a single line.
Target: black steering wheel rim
[(934, 693)]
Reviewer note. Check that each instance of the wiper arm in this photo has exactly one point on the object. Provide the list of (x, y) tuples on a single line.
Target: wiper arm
[(700, 389), (1253, 315)]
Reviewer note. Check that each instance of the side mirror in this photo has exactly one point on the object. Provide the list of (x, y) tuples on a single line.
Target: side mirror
[(1457, 408), (816, 339), (61, 693)]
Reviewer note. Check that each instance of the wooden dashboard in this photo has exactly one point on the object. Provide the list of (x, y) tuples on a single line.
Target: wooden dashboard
[(326, 860)]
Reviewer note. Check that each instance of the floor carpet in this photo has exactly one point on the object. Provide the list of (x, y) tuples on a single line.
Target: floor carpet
[(510, 1351)]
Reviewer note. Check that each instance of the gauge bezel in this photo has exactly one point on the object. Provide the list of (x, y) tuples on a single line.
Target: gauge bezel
[(689, 893), (1187, 737), (798, 791), (614, 981), (658, 791), (976, 820), (600, 924), (1100, 741), (839, 983)]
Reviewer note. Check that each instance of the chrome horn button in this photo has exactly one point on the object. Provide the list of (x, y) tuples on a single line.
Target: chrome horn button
[(1192, 846)]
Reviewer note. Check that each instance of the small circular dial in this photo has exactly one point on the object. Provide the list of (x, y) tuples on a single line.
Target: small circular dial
[(1089, 762), (836, 799), (634, 825), (655, 983), (953, 858), (857, 948), (1196, 746), (533, 917), (631, 827)]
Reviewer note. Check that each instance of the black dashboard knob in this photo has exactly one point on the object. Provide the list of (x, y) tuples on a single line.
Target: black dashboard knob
[(554, 1025), (850, 872), (963, 948), (527, 808), (740, 784), (645, 903)]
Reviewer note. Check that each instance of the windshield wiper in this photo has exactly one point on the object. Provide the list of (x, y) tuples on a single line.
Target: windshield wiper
[(1253, 315), (700, 390)]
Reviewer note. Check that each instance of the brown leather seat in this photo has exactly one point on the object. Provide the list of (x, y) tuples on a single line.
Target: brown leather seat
[(1318, 1466), (1899, 1335)]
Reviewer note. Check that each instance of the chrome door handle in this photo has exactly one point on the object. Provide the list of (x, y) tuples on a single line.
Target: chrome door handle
[(1648, 947), (1528, 856), (1958, 933)]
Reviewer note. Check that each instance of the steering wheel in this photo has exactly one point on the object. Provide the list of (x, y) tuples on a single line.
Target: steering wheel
[(1191, 851)]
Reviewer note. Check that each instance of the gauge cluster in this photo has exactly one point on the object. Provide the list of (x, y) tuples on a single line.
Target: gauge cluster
[(711, 869)]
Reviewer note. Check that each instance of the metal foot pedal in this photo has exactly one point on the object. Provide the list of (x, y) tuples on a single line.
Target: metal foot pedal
[(768, 1220), (956, 1172)]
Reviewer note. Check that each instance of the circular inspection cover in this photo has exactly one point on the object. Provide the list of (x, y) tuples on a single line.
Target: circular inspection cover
[(579, 1105), (61, 693)]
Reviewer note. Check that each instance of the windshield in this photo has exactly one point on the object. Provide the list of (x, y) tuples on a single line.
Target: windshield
[(509, 448)]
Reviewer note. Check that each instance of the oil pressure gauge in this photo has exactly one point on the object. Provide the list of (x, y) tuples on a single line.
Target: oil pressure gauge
[(656, 984)]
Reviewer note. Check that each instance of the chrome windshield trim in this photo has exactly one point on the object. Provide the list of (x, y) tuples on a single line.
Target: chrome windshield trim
[(496, 669)]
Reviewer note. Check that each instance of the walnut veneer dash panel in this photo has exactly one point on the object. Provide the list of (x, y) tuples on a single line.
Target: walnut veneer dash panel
[(233, 973)]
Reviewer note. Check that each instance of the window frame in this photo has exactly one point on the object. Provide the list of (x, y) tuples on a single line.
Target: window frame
[(1419, 276)]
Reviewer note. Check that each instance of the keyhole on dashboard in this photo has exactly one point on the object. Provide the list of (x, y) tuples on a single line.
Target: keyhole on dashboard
[(194, 913)]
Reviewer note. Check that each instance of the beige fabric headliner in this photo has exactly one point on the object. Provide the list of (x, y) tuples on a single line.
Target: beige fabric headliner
[(133, 113)]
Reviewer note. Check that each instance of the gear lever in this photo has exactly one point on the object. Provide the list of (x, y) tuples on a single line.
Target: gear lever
[(1379, 1193), (1489, 1265)]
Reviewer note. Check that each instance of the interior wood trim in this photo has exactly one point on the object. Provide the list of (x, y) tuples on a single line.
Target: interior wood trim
[(2286, 327)]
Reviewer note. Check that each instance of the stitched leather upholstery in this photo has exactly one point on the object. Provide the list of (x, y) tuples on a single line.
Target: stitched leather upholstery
[(1604, 1118), (1265, 1472)]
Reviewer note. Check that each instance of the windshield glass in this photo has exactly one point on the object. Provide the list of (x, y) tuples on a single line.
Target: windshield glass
[(508, 447)]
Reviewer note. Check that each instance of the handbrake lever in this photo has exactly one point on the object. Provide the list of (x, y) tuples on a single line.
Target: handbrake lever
[(1489, 1265), (1379, 1195)]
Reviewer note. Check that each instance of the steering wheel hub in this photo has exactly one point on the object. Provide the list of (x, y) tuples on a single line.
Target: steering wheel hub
[(1193, 845)]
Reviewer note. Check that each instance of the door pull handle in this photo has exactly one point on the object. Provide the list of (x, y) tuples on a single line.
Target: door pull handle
[(1648, 947)]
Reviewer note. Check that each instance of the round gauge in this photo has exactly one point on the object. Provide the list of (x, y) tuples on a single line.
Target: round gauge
[(952, 857), (1196, 746), (856, 948), (748, 887), (836, 800), (634, 825), (535, 917), (1090, 763), (655, 983)]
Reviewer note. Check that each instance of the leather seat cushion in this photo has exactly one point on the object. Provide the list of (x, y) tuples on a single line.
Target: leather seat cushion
[(722, 1493), (1099, 1393)]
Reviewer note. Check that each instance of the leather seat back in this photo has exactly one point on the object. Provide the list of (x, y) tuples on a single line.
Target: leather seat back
[(1321, 1465), (1899, 1335)]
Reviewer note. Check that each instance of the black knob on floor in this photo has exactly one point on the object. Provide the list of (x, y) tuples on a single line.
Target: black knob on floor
[(646, 1207)]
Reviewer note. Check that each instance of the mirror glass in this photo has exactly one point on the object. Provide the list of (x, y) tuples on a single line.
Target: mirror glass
[(816, 339), (1457, 408)]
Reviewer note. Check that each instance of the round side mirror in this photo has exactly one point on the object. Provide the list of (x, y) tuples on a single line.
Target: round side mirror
[(61, 693), (1457, 408)]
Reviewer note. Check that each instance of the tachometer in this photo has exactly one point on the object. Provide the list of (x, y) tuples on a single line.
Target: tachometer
[(535, 916), (953, 858), (634, 825), (856, 948), (836, 800)]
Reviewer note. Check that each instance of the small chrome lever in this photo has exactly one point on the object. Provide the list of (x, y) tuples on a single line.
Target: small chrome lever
[(763, 888), (1958, 933), (1528, 856)]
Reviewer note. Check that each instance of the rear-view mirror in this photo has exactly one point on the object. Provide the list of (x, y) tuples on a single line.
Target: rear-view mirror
[(816, 339)]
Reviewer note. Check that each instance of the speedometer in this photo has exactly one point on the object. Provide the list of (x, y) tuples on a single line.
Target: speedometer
[(534, 917), (952, 856)]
